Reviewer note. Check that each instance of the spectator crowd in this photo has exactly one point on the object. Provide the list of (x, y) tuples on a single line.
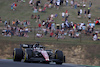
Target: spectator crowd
[(49, 26)]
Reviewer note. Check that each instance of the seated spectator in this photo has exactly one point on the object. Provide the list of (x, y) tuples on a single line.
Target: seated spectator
[(40, 9), (35, 17), (31, 2), (26, 30), (97, 22), (50, 5), (84, 5), (78, 5), (13, 22), (56, 15), (98, 35), (39, 35), (43, 10), (35, 10), (95, 37), (4, 32), (51, 34), (77, 35), (39, 26)]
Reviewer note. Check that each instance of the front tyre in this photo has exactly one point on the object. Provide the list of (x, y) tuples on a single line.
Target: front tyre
[(17, 54), (59, 55)]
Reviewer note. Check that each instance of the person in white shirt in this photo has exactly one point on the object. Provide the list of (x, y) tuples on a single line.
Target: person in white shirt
[(94, 37), (66, 2), (80, 11), (71, 2), (58, 4), (63, 14), (89, 16), (62, 25)]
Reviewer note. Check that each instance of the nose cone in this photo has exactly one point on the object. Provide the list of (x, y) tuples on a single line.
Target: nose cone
[(45, 55)]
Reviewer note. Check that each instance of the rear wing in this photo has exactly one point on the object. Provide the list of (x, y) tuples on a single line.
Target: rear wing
[(26, 46)]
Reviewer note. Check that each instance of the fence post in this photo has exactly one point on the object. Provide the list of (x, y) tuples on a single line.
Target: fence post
[(57, 35), (80, 37), (34, 32)]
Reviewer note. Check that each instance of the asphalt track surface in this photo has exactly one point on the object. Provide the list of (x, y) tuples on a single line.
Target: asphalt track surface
[(10, 63)]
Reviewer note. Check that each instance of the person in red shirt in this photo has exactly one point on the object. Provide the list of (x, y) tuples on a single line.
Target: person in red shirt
[(97, 22), (39, 25), (14, 6), (51, 34)]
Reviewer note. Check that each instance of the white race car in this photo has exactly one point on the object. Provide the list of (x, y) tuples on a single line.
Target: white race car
[(37, 53)]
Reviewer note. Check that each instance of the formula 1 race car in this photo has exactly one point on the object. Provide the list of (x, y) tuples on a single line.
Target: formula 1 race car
[(37, 53)]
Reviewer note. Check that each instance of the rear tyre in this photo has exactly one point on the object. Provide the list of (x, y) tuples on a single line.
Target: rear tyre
[(28, 54), (59, 55), (17, 54)]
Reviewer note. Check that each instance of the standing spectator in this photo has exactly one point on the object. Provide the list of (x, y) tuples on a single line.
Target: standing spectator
[(88, 11), (90, 3), (11, 6), (61, 2), (80, 12), (75, 5), (62, 25), (63, 14), (58, 4), (5, 23), (38, 3), (89, 16), (38, 19), (66, 2), (66, 13), (85, 13), (71, 2), (54, 3)]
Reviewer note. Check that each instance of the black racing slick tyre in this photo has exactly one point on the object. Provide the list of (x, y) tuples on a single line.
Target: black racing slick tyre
[(59, 55), (28, 54), (17, 54)]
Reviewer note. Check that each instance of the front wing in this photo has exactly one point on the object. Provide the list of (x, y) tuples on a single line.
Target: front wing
[(43, 60)]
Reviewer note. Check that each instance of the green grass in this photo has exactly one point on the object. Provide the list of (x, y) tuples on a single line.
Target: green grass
[(24, 12)]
